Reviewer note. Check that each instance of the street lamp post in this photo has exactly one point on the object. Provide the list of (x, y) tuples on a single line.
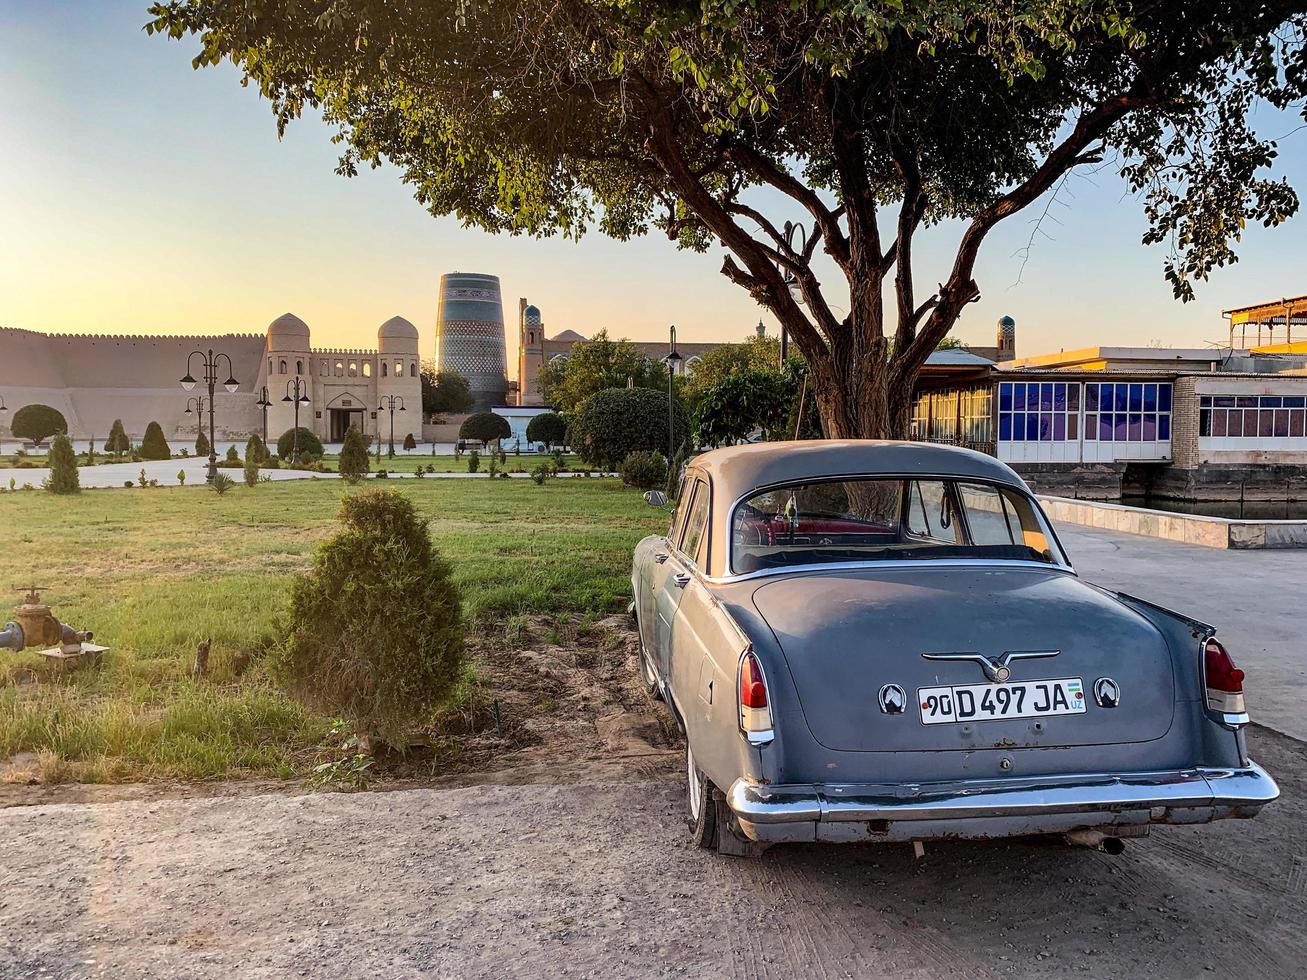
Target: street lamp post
[(389, 402), (672, 359), (264, 404), (4, 409), (195, 406), (209, 371), (297, 391)]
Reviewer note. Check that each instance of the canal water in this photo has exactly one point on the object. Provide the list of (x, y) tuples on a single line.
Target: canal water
[(1260, 510)]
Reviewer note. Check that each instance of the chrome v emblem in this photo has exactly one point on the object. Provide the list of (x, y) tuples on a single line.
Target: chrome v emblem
[(997, 669)]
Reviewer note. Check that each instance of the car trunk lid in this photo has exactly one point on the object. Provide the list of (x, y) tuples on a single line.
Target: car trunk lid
[(848, 634)]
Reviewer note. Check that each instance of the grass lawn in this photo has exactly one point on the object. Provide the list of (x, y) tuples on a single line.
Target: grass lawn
[(154, 572)]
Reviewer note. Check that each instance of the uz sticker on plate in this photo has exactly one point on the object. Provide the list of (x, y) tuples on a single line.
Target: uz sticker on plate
[(996, 702)]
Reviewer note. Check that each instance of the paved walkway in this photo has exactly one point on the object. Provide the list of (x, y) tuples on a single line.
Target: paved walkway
[(1255, 598), (165, 471)]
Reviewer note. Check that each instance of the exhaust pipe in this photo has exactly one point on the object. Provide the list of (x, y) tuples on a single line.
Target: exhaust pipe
[(1096, 839)]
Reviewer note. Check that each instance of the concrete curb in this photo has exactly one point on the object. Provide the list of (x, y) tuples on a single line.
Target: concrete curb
[(1209, 532)]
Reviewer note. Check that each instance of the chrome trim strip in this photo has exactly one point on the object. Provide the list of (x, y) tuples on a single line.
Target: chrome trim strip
[(1246, 789), (997, 669), (919, 563)]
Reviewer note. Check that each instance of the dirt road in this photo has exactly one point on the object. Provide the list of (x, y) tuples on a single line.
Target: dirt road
[(587, 879)]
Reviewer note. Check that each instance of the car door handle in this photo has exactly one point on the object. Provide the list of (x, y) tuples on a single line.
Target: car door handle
[(660, 556), (681, 579)]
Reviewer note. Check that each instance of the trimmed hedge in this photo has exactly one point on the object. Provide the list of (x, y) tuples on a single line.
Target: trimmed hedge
[(37, 422), (612, 424), (485, 428), (154, 445), (547, 427), (310, 445)]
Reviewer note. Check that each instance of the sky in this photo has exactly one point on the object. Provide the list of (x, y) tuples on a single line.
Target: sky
[(138, 195)]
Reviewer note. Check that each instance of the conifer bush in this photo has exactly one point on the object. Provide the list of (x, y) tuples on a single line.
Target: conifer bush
[(118, 443), (354, 459), (201, 444), (154, 445), (375, 634), (63, 467)]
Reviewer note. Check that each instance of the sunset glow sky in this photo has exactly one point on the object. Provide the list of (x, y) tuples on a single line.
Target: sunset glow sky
[(140, 196)]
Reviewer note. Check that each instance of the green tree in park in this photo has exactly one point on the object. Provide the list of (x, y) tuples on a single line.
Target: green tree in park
[(547, 427), (256, 450), (354, 459), (485, 427), (444, 392), (743, 402), (63, 467), (410, 443), (595, 365), (612, 424), (202, 447), (153, 444), (37, 423), (714, 121), (754, 354), (117, 443)]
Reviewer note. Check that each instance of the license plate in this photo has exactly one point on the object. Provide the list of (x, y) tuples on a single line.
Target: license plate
[(997, 702)]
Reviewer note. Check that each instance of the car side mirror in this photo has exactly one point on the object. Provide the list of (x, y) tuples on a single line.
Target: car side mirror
[(655, 498)]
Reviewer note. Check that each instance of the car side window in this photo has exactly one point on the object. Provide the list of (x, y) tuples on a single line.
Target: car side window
[(696, 522), (930, 512), (682, 506), (990, 518)]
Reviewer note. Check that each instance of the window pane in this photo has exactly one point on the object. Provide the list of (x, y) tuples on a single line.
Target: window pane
[(1059, 397), (1106, 430), (1217, 426), (1059, 427), (1046, 396), (1119, 430), (1205, 421), (1250, 422), (1282, 422), (1266, 423), (1005, 397), (1246, 401), (1005, 428), (1222, 401), (1234, 427), (1091, 397), (1150, 398), (1205, 401), (1271, 401), (1072, 427), (1073, 397), (1293, 401), (1122, 397), (1150, 427), (1136, 397), (1163, 398), (985, 517), (1164, 428), (1134, 430), (1032, 427), (697, 520), (1296, 423), (1091, 426), (1018, 397)]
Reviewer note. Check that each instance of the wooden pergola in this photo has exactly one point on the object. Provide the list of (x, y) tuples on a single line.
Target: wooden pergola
[(1284, 313)]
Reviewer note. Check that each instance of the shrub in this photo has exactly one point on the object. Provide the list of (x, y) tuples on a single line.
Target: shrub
[(410, 443), (63, 467), (201, 444), (90, 452), (485, 428), (310, 445), (181, 477), (473, 461), (129, 483), (37, 423), (493, 469), (222, 483), (232, 455), (118, 443), (741, 403), (251, 471), (256, 450), (272, 463), (374, 629), (154, 445), (612, 424), (547, 427), (644, 470), (354, 460), (540, 472)]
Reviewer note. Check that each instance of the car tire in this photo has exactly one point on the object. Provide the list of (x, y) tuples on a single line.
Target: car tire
[(701, 806), (648, 676)]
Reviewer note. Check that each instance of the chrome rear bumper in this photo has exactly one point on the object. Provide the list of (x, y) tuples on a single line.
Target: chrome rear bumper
[(997, 808)]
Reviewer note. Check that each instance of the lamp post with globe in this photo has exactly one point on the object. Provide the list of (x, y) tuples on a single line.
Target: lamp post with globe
[(389, 402), (264, 404), (4, 409), (673, 359), (209, 372), (297, 391)]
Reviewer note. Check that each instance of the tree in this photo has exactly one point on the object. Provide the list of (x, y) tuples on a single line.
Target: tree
[(612, 424), (63, 467), (256, 450), (154, 445), (547, 427), (375, 634), (713, 122), (201, 443), (354, 458), (595, 365), (444, 392), (118, 443), (410, 443), (485, 427), (743, 402), (310, 446), (754, 354), (37, 423)]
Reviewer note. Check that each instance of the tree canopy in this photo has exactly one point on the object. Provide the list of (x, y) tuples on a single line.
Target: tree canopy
[(37, 422), (867, 120), (485, 427), (715, 365), (596, 365), (547, 427), (444, 392)]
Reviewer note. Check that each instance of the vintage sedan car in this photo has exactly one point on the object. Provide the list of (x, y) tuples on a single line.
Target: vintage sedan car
[(886, 641)]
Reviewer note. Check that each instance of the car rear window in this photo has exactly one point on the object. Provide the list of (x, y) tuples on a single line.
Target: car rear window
[(882, 519)]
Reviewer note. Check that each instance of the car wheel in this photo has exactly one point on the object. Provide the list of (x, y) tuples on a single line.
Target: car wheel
[(649, 676), (701, 811)]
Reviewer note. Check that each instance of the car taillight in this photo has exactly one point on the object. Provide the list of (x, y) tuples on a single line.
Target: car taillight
[(755, 713), (1224, 681)]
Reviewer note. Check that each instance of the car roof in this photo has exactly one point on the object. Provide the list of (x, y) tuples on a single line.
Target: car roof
[(736, 470)]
